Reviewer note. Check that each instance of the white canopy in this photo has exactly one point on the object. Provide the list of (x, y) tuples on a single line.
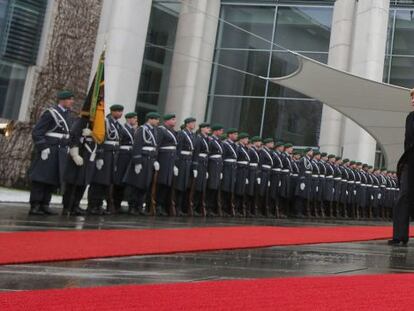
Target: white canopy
[(377, 107)]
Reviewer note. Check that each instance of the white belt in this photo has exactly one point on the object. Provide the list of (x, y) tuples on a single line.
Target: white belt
[(382, 186), (111, 142), (186, 152), (230, 160), (329, 177), (203, 155), (315, 176), (349, 182), (148, 148), (295, 175), (267, 166), (358, 182), (215, 156), (376, 187), (364, 185), (243, 162), (322, 176), (388, 188), (254, 164), (168, 148), (337, 178), (58, 135), (285, 171), (370, 186), (125, 147), (308, 172), (276, 169)]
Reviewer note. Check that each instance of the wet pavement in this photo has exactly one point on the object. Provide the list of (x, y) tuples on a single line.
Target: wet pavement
[(322, 259)]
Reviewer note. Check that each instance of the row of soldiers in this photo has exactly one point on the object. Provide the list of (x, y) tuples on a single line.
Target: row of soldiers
[(208, 172)]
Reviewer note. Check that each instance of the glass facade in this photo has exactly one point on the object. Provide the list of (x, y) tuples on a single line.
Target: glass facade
[(250, 103), (21, 23), (157, 60), (399, 61)]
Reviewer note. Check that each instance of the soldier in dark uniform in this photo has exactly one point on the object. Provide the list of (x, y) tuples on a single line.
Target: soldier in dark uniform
[(288, 184), (126, 141), (376, 193), (242, 176), (276, 182), (186, 164), (167, 155), (215, 171), (144, 162), (202, 150), (230, 151), (329, 191), (266, 165), (316, 186), (80, 166), (370, 190), (338, 184), (51, 139), (347, 184), (362, 196), (254, 176), (319, 199), (106, 161), (304, 187)]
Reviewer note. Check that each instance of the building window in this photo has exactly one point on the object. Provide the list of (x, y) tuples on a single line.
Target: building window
[(253, 104), (157, 57)]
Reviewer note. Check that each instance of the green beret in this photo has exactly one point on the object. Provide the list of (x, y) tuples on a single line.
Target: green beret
[(223, 136), (324, 154), (243, 135), (116, 108), (255, 139), (65, 94), (288, 145), (279, 143), (358, 163), (169, 116), (152, 115), (189, 120), (365, 166), (384, 169), (231, 130), (316, 153), (296, 152), (217, 127), (370, 167), (204, 124), (338, 158), (331, 156), (347, 160), (130, 115), (268, 140), (308, 149)]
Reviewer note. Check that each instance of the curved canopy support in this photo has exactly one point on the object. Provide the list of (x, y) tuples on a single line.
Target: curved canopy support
[(377, 107)]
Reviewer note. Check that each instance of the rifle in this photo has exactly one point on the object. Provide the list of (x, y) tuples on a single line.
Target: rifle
[(153, 208), (172, 210), (191, 197), (203, 200)]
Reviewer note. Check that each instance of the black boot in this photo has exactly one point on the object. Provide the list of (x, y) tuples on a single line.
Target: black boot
[(95, 210), (35, 209), (77, 211), (47, 210)]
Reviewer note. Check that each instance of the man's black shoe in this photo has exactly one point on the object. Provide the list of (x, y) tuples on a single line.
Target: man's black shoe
[(96, 211), (77, 211), (134, 211), (35, 210), (47, 210), (395, 242)]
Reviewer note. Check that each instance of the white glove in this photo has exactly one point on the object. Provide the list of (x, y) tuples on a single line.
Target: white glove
[(206, 175), (138, 168), (156, 166), (354, 192), (259, 181), (317, 189), (86, 132), (74, 153), (268, 183), (372, 197), (221, 176), (195, 173), (99, 164), (379, 196), (175, 171), (247, 181), (45, 154)]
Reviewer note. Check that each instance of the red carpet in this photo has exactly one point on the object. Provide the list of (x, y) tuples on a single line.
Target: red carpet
[(26, 247), (379, 293)]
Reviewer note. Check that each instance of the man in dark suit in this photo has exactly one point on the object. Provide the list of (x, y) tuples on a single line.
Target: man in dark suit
[(402, 210)]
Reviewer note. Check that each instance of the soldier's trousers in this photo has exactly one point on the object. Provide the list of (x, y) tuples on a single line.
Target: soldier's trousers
[(164, 197), (300, 206), (401, 212), (181, 202), (136, 197), (227, 202), (240, 204), (118, 194), (96, 194), (212, 201), (72, 196), (198, 201), (41, 193)]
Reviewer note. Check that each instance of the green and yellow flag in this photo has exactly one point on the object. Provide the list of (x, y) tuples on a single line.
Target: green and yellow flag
[(94, 106)]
